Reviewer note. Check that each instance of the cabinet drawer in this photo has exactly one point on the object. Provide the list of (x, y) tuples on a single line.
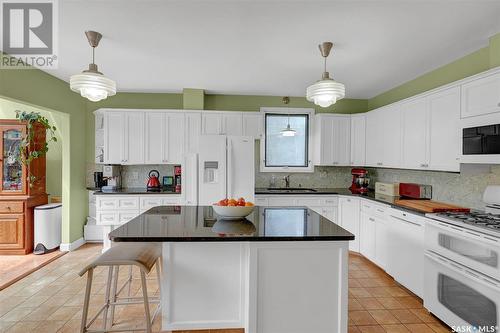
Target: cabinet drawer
[(282, 202), (125, 217), (107, 203), (11, 207), (261, 202), (309, 202), (147, 203), (128, 203), (331, 201), (107, 218), (371, 208), (172, 201)]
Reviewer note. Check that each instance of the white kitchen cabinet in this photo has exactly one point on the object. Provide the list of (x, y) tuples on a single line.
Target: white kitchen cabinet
[(211, 123), (414, 118), (155, 137), (481, 96), (358, 139), (124, 137), (222, 123), (332, 140), (444, 131), (192, 131), (349, 209), (391, 136), (174, 138), (367, 225), (114, 124), (381, 242), (405, 261), (374, 139), (252, 124), (232, 123)]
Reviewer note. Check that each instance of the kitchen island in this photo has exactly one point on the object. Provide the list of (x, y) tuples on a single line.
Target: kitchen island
[(282, 269)]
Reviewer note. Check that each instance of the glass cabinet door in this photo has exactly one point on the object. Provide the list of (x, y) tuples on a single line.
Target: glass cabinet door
[(12, 169)]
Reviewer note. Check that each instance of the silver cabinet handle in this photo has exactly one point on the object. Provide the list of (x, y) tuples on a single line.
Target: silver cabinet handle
[(379, 163), (424, 165), (371, 219)]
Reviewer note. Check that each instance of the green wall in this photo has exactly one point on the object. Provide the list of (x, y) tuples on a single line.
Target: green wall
[(476, 62), (41, 90)]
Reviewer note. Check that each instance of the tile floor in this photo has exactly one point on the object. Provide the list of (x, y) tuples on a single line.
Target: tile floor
[(50, 300), (14, 268)]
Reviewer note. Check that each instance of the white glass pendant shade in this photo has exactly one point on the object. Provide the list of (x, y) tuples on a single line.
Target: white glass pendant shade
[(288, 131), (325, 92), (93, 86)]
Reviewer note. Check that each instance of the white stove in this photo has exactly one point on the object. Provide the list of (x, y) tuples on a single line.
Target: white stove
[(462, 266)]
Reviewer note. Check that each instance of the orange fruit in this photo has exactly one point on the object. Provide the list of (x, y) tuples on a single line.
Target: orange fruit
[(248, 204)]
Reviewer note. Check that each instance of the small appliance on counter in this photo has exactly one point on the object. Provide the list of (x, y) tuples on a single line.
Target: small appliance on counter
[(154, 181), (360, 181), (168, 183), (415, 191), (177, 178), (112, 175), (389, 189), (99, 181)]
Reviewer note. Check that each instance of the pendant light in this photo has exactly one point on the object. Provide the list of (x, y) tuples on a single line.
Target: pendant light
[(326, 91), (91, 83), (288, 131)]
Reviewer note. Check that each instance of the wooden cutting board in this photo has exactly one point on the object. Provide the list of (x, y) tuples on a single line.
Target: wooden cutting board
[(430, 206)]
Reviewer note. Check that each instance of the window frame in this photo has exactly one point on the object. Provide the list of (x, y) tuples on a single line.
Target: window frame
[(309, 145)]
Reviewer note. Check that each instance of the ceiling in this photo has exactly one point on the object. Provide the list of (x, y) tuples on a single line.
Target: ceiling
[(270, 47)]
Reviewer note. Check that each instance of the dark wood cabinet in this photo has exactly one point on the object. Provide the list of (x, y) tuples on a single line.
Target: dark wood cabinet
[(17, 197)]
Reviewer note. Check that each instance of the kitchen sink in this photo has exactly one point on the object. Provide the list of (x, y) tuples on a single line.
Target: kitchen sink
[(290, 189)]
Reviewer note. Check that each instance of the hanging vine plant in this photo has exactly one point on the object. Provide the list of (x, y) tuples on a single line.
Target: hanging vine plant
[(27, 152)]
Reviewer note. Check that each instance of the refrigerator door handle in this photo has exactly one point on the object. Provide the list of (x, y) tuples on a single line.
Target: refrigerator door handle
[(229, 171)]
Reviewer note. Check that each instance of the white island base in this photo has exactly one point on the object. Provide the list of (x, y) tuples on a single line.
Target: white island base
[(263, 287)]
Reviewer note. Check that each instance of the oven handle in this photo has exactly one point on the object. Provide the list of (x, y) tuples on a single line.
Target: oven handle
[(464, 232), (479, 278)]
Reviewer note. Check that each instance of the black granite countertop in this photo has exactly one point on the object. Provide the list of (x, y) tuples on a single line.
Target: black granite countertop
[(131, 190), (380, 198), (201, 224)]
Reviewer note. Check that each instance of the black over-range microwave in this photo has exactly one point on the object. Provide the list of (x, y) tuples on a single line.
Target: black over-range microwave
[(481, 140)]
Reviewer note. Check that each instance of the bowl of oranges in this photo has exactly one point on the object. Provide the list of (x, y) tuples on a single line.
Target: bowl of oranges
[(233, 209)]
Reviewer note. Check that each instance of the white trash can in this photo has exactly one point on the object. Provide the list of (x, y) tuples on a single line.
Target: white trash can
[(47, 227)]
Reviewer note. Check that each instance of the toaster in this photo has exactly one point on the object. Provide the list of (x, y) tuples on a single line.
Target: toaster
[(415, 191)]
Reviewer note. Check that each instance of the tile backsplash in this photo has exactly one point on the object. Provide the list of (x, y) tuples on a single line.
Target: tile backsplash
[(133, 175)]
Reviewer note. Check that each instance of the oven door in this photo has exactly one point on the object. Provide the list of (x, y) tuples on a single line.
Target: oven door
[(459, 296), (471, 249)]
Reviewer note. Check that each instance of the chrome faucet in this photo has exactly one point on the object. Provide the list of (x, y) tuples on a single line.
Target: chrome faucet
[(287, 181)]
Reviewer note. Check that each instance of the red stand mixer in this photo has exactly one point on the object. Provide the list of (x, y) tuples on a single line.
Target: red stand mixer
[(359, 181)]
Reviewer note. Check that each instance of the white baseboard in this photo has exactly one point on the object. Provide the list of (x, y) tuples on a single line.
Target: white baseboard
[(73, 245)]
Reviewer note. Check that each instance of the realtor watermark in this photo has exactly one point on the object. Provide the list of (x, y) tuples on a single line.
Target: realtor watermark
[(475, 329), (29, 34)]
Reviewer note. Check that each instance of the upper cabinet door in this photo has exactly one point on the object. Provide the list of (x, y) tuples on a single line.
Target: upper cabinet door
[(211, 123), (252, 124), (374, 138), (192, 132), (444, 130), (358, 139), (232, 123), (342, 140), (324, 140), (134, 137), (155, 138), (391, 134), (481, 96), (175, 138), (114, 124), (414, 116)]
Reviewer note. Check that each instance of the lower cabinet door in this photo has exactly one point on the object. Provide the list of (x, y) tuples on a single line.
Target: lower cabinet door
[(11, 232), (367, 236), (381, 241)]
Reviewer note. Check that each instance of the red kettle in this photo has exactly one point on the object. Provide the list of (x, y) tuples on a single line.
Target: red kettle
[(154, 181)]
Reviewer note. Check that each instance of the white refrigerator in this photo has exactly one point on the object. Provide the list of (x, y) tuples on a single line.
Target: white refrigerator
[(226, 168)]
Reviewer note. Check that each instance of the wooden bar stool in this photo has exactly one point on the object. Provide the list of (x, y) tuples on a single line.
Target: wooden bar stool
[(142, 255)]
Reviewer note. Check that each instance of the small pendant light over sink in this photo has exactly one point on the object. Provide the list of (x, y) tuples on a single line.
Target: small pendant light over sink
[(91, 83), (288, 131), (326, 91)]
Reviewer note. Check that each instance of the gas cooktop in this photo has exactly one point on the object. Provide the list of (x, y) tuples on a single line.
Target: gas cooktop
[(480, 221)]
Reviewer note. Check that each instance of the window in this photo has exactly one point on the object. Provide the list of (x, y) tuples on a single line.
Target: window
[(286, 153)]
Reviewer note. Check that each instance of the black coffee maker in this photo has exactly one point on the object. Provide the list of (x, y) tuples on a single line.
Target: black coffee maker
[(99, 180)]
